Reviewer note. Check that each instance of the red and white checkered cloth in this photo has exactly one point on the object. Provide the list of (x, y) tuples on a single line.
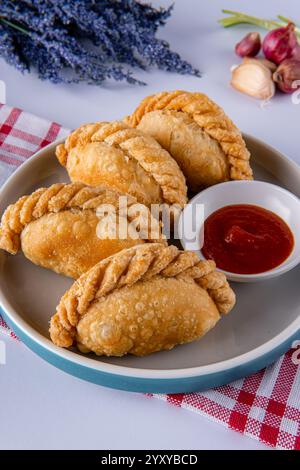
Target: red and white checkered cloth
[(265, 406)]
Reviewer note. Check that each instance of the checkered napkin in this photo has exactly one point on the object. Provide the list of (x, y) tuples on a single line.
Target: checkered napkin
[(265, 406)]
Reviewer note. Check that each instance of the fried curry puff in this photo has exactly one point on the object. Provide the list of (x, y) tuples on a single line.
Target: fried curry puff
[(135, 302), (56, 227), (202, 139), (125, 159)]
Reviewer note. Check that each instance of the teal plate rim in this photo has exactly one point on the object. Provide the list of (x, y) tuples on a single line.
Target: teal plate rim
[(187, 380)]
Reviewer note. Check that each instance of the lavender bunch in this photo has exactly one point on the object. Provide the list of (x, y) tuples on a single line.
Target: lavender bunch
[(86, 40)]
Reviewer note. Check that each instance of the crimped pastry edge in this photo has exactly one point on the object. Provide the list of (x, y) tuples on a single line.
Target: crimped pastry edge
[(210, 117), (163, 168), (53, 199), (127, 267)]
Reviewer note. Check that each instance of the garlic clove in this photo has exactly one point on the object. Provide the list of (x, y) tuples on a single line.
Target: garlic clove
[(253, 79), (267, 63)]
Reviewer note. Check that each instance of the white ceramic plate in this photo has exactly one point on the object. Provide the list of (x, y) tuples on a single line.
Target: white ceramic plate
[(262, 326)]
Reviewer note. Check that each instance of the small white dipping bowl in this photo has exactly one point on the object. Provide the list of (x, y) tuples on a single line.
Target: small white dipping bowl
[(269, 196)]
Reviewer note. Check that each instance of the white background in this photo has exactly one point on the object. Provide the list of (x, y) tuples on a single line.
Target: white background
[(42, 407)]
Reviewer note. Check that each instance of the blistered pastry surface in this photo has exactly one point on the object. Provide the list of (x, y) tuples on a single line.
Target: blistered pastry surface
[(147, 317), (57, 227), (139, 265), (125, 158), (67, 243), (209, 117), (200, 157)]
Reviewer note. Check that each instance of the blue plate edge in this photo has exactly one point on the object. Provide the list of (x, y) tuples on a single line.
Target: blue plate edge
[(145, 385)]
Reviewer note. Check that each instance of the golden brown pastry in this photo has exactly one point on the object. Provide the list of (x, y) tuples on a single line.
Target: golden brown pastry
[(56, 227), (125, 159), (141, 300), (197, 133)]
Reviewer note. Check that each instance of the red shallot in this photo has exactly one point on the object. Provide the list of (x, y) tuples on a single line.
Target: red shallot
[(280, 44), (249, 46), (287, 76)]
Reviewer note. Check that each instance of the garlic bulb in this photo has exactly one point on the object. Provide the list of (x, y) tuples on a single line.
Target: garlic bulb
[(254, 79)]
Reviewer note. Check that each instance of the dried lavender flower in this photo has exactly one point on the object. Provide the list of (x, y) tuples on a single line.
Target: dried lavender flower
[(86, 40), (9, 50)]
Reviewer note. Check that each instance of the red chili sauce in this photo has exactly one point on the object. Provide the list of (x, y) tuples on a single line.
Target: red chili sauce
[(246, 239)]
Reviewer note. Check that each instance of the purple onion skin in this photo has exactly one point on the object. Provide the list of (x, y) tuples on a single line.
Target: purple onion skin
[(296, 52), (280, 44), (249, 46), (287, 74)]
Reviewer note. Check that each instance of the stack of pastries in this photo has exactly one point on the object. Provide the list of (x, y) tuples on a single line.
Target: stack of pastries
[(129, 294)]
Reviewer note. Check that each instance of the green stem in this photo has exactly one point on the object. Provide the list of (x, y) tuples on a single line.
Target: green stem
[(235, 20), (239, 18), (15, 26), (288, 20), (284, 19)]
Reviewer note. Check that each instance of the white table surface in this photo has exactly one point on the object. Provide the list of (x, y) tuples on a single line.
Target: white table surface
[(42, 407)]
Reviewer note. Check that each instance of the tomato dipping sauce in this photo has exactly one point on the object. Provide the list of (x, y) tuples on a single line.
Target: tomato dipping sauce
[(246, 239)]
